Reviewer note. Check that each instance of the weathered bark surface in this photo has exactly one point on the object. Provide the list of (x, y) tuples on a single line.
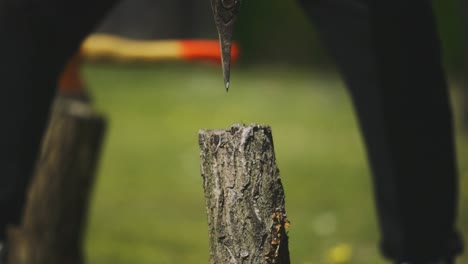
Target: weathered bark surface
[(57, 202), (244, 196)]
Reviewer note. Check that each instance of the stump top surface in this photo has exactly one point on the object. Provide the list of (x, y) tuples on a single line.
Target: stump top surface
[(236, 134), (234, 128)]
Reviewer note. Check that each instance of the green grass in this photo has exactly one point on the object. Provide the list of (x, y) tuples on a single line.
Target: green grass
[(148, 203)]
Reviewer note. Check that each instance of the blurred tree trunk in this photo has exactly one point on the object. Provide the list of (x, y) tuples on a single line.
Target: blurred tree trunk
[(464, 94), (57, 203)]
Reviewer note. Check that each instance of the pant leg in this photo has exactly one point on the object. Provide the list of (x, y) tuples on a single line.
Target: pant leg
[(37, 38), (390, 60)]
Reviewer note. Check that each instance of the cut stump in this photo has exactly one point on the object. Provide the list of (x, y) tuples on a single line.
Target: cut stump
[(245, 201), (57, 204)]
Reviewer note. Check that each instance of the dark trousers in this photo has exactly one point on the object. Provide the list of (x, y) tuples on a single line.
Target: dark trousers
[(389, 58), (388, 54)]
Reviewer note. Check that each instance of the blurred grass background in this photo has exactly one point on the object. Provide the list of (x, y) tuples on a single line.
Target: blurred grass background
[(148, 202)]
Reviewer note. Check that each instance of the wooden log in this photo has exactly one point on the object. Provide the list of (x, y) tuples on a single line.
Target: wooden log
[(57, 203), (244, 196)]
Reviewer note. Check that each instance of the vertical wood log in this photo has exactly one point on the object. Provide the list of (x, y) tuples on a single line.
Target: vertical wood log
[(244, 196), (57, 202)]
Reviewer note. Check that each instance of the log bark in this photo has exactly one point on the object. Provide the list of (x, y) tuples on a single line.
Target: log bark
[(245, 201), (57, 203)]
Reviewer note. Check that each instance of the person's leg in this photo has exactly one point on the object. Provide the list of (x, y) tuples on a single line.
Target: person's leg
[(410, 69), (390, 61), (38, 37)]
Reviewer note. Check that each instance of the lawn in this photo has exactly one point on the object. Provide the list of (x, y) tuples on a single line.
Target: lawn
[(148, 203)]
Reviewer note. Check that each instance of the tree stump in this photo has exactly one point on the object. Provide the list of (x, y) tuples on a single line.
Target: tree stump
[(244, 196), (57, 203)]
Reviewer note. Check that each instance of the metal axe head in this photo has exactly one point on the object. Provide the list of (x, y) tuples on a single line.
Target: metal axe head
[(225, 14)]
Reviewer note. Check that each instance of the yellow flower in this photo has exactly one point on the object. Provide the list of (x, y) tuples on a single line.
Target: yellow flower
[(340, 253)]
